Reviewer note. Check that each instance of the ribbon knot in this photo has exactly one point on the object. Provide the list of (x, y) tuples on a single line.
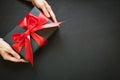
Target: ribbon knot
[(32, 24)]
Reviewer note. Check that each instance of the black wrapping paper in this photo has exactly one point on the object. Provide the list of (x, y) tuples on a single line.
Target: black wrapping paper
[(46, 33)]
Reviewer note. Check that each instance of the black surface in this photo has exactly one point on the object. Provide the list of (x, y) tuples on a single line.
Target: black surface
[(87, 46)]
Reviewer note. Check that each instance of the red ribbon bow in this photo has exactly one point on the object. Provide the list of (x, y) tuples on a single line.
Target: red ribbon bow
[(32, 24)]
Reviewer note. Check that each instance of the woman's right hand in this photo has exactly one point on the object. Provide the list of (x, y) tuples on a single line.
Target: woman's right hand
[(8, 53), (46, 8)]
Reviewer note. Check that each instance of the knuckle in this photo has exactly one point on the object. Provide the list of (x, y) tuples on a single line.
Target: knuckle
[(49, 7), (41, 5)]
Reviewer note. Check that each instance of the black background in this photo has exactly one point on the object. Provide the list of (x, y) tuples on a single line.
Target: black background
[(86, 47)]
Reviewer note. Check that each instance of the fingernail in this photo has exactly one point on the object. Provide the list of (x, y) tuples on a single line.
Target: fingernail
[(18, 57), (25, 61)]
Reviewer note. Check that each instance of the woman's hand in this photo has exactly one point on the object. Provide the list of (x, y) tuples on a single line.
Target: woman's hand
[(46, 8), (8, 53)]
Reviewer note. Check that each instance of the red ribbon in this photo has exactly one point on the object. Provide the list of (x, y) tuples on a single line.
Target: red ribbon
[(31, 23)]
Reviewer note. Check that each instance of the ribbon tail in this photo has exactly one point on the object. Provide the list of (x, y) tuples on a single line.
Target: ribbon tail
[(50, 25), (28, 51), (39, 40)]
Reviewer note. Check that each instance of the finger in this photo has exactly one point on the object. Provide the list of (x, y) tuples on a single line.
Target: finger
[(8, 49), (52, 15), (16, 55), (13, 53), (13, 59), (45, 11), (48, 7), (8, 57), (22, 60), (4, 44), (41, 5)]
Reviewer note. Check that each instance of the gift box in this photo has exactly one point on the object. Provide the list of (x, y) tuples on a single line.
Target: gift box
[(31, 33)]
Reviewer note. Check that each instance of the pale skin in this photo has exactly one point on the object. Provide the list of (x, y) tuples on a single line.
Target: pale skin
[(6, 51)]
